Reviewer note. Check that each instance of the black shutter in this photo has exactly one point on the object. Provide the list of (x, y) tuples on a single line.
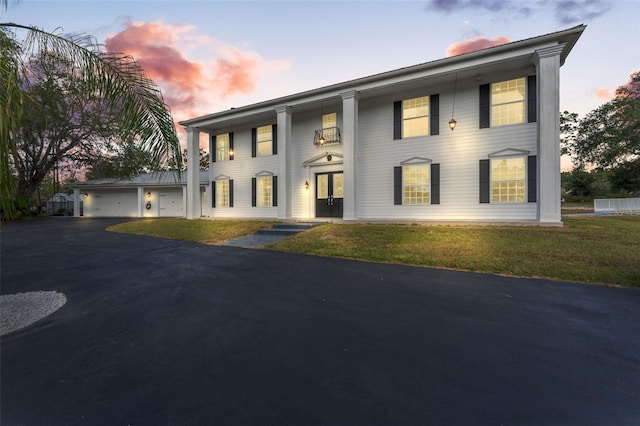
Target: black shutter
[(484, 181), (274, 191), (434, 114), (231, 146), (532, 171), (230, 192), (485, 106), (274, 139), (397, 185), (214, 149), (213, 194), (532, 99), (435, 183), (397, 120), (254, 140), (253, 192)]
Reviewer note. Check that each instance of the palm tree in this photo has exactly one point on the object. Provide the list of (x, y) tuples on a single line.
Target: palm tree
[(117, 78)]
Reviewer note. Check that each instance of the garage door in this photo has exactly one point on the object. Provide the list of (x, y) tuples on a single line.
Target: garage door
[(170, 202), (122, 203)]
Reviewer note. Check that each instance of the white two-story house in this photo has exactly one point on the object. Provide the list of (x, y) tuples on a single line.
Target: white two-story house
[(473, 137)]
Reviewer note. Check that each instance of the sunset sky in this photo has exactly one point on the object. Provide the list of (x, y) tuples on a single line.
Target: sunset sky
[(208, 56)]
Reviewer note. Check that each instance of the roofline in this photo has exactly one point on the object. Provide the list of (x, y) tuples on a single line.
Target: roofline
[(569, 36)]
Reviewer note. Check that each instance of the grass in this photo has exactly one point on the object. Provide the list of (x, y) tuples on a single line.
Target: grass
[(602, 250), (594, 249), (202, 231)]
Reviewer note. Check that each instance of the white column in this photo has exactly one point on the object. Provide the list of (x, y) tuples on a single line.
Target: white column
[(141, 201), (349, 150), (76, 202), (284, 161), (193, 173), (547, 62)]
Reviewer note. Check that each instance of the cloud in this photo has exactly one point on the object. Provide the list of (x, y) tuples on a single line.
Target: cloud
[(171, 56), (514, 8), (566, 11), (604, 94), (579, 11), (476, 43)]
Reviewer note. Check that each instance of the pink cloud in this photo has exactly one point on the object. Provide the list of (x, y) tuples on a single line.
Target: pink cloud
[(604, 94), (476, 43), (171, 56)]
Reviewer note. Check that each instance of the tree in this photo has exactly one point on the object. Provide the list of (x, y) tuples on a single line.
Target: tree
[(64, 125), (204, 160), (114, 78), (128, 161), (609, 135)]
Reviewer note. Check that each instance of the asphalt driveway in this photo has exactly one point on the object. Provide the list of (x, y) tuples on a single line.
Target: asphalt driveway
[(161, 332)]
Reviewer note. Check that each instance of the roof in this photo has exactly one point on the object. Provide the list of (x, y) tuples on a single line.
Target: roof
[(161, 178), (451, 65)]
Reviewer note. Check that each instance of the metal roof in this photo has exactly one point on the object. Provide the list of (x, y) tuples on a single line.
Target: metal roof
[(160, 178)]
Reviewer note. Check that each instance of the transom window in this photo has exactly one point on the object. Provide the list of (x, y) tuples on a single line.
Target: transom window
[(415, 117), (264, 140), (222, 193), (508, 102), (264, 191), (416, 184), (508, 180), (222, 147)]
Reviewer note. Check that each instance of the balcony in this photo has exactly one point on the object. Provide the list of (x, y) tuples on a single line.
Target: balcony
[(327, 136)]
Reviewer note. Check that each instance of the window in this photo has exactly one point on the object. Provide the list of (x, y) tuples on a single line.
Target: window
[(508, 180), (415, 184), (508, 102), (416, 181), (329, 121), (222, 147), (222, 193), (264, 191), (264, 140), (415, 117)]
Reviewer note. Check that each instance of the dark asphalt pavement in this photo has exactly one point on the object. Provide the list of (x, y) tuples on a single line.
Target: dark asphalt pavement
[(160, 332)]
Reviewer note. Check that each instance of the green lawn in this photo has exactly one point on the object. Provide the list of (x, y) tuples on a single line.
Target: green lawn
[(587, 249), (202, 231)]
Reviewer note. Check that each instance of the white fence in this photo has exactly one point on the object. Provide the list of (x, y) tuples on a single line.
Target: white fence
[(617, 206)]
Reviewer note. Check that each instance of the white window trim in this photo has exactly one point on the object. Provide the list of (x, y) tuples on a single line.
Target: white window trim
[(524, 102), (504, 156)]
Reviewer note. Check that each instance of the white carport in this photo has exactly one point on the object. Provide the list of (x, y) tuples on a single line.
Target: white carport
[(158, 194)]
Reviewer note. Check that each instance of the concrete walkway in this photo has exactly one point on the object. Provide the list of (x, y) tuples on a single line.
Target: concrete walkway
[(271, 235)]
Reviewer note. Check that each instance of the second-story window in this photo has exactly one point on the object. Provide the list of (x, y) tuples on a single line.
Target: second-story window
[(508, 102), (415, 117), (264, 140), (222, 147)]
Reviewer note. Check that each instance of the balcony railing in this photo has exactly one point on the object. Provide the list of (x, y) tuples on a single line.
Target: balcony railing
[(327, 136)]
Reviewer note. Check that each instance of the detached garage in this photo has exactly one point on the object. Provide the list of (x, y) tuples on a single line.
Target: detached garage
[(159, 194)]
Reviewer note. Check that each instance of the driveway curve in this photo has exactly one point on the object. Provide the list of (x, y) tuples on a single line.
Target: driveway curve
[(162, 332)]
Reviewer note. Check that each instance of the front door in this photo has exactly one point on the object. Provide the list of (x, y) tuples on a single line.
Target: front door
[(329, 194)]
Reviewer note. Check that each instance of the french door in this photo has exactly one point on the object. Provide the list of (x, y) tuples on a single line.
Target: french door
[(329, 194)]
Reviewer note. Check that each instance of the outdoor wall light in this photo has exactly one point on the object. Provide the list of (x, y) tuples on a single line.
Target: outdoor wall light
[(85, 195), (149, 194), (452, 122), (306, 184), (321, 141), (329, 157), (230, 153)]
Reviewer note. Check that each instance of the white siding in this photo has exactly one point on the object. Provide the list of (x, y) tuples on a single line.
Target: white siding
[(458, 152), (241, 169)]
